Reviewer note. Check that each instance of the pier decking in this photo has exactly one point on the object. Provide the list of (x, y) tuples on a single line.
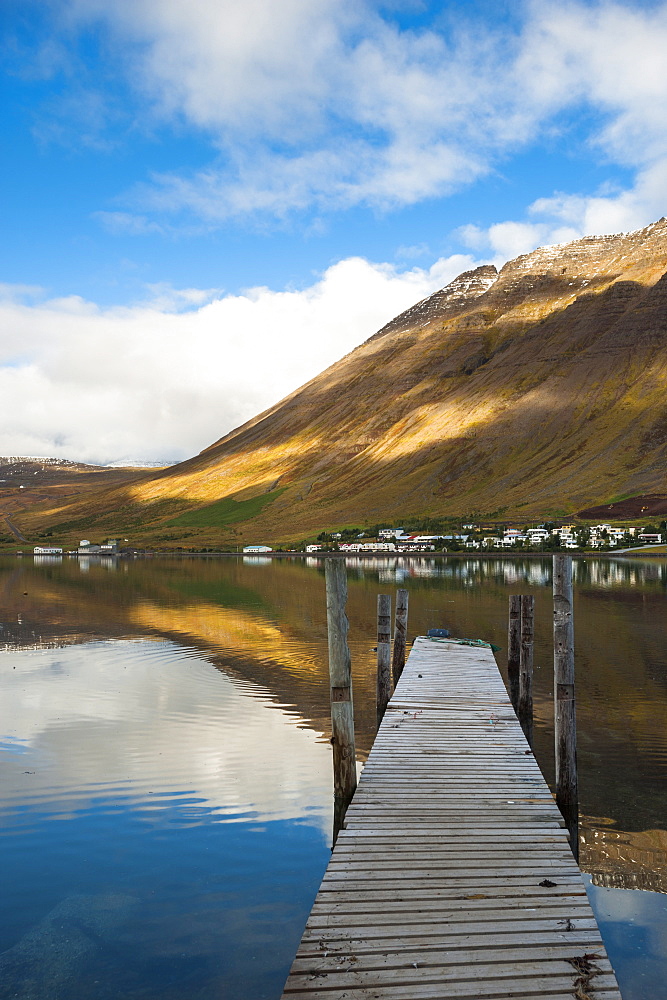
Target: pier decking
[(453, 876)]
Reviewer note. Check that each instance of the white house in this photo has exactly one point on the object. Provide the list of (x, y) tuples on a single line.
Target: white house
[(47, 550), (311, 548), (257, 548), (87, 548), (422, 539), (368, 547), (512, 536)]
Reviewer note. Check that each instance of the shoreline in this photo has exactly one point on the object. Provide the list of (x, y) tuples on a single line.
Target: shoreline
[(224, 554)]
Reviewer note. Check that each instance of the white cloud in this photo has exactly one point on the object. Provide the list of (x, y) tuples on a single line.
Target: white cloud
[(125, 223), (611, 211), (564, 217), (505, 240), (251, 67), (327, 103), (165, 378), (609, 56)]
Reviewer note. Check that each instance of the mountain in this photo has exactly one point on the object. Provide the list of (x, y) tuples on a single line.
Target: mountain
[(538, 390)]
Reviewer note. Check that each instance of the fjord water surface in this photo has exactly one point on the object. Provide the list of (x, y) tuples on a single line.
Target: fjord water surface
[(166, 786)]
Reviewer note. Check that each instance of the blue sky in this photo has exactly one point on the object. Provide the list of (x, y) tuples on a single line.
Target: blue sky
[(231, 196)]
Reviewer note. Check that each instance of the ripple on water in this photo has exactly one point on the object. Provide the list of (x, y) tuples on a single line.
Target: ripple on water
[(152, 727)]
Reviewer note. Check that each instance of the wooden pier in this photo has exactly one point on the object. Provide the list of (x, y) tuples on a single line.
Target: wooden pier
[(453, 876)]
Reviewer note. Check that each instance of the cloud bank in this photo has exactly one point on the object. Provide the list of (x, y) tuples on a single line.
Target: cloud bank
[(327, 104), (163, 379)]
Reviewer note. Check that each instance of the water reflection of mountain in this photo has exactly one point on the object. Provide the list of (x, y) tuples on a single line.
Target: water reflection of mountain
[(621, 860), (266, 623)]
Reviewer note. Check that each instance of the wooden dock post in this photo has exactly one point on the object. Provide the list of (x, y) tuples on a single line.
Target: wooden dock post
[(340, 678), (565, 719), (384, 655), (400, 634), (514, 649), (525, 712)]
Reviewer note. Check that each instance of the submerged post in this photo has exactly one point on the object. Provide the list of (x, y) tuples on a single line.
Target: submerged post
[(384, 655), (400, 634), (565, 718), (525, 712), (514, 649), (340, 678)]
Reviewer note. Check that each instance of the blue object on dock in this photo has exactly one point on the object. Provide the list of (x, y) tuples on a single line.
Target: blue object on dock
[(438, 633)]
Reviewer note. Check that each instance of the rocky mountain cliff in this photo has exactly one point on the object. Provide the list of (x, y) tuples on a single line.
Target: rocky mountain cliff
[(536, 390)]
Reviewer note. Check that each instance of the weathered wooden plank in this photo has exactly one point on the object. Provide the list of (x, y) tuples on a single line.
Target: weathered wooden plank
[(528, 832), (580, 942), (399, 901), (379, 838), (452, 882), (474, 853), (435, 931), (416, 973), (525, 914), (436, 958), (533, 986), (412, 894)]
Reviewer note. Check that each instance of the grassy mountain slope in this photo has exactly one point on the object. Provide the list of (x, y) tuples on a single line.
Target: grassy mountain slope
[(538, 390)]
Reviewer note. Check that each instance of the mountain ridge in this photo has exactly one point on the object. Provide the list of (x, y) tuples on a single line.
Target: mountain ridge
[(536, 389)]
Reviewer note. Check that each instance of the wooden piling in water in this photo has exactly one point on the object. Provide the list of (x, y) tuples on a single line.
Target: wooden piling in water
[(514, 649), (525, 712), (384, 654), (565, 719), (400, 635), (340, 678)]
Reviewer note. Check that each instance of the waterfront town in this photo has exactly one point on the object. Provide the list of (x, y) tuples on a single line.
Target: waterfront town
[(471, 537), (544, 537), (569, 536)]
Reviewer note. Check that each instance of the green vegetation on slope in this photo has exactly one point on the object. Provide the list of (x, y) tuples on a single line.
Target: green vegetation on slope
[(129, 516), (226, 511)]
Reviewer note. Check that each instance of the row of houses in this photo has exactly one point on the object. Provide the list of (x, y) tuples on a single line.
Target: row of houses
[(85, 548), (570, 537), (402, 543)]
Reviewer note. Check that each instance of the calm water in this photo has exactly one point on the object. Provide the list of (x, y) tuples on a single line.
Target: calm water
[(166, 775)]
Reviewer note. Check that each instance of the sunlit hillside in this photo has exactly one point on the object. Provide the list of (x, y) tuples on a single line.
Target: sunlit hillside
[(538, 390)]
